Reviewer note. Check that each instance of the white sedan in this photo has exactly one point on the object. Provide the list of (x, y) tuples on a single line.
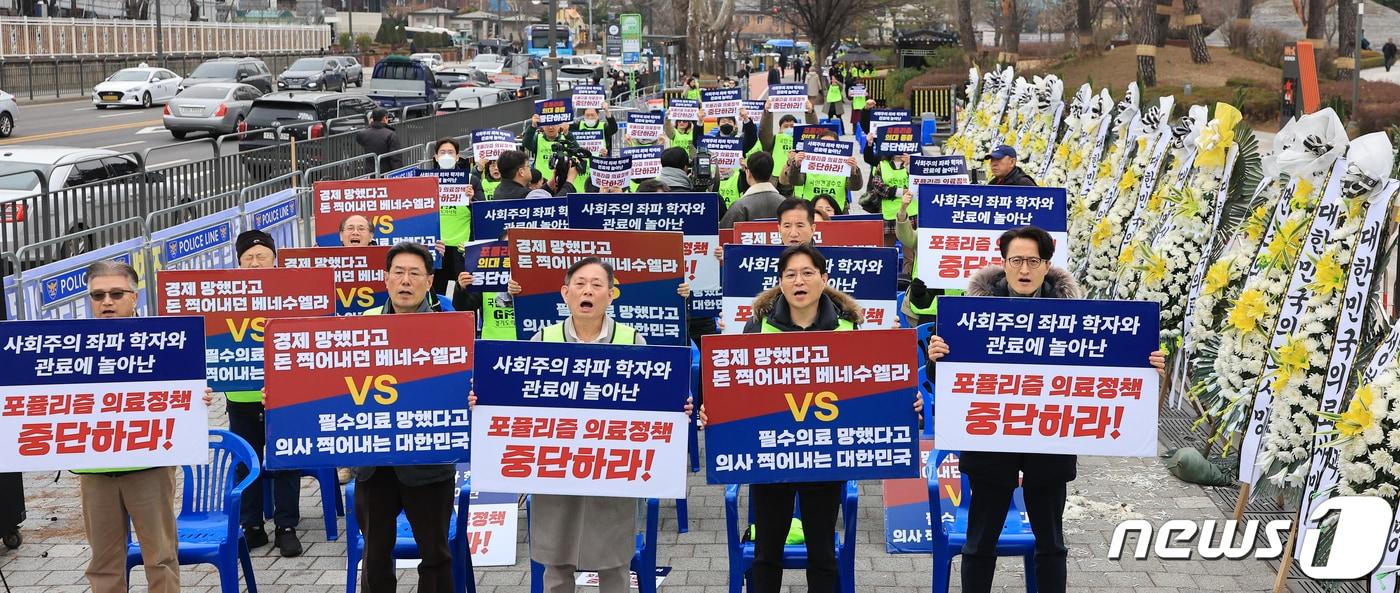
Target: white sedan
[(136, 87)]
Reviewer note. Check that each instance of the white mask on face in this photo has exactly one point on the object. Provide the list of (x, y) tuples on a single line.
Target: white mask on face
[(447, 161), (590, 121)]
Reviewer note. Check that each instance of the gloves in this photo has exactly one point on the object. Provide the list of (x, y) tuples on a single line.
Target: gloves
[(919, 295)]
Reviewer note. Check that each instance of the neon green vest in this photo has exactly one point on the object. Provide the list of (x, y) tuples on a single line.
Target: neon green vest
[(488, 187), (858, 102), (544, 149), (497, 321), (895, 178), (455, 225), (782, 145), (729, 188), (245, 397), (833, 93), (821, 183), (841, 326), (684, 140), (693, 94), (622, 334)]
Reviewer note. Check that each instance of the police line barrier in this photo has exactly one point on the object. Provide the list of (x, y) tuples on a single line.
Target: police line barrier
[(57, 290)]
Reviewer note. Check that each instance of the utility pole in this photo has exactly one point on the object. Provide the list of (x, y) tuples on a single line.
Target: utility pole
[(160, 39), (1356, 61), (552, 67)]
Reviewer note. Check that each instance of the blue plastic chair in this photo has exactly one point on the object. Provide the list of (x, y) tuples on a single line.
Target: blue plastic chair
[(836, 124), (741, 553), (207, 527), (861, 137), (926, 391), (924, 331), (1016, 536), (694, 417), (332, 505), (463, 577), (643, 557), (928, 128)]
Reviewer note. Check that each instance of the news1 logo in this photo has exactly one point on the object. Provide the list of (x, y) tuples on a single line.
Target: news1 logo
[(1361, 533)]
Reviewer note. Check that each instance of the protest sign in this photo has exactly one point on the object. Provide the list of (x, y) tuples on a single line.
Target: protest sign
[(803, 133), (810, 406), (454, 206), (836, 233), (826, 157), (581, 419), (787, 98), (400, 209), (646, 161), (588, 578), (368, 390), (489, 143), (1047, 376), (755, 109), (493, 218), (683, 110), (944, 170), (899, 138), (867, 274), (359, 273), (724, 152), (880, 118), (493, 523), (857, 90), (236, 305), (695, 215), (554, 112), (589, 96), (644, 127), (610, 172), (959, 226), (648, 268), (908, 529), (104, 393), (592, 141), (721, 103), (488, 262), (850, 217)]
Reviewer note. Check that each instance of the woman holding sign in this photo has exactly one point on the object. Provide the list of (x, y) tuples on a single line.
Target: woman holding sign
[(1026, 273)]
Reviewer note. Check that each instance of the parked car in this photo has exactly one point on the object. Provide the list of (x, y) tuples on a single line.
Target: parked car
[(488, 63), (139, 87), (451, 79), (472, 97), (216, 107), (312, 74), (296, 115), (577, 67), (399, 82), (250, 71), (433, 60), (9, 111), (352, 70)]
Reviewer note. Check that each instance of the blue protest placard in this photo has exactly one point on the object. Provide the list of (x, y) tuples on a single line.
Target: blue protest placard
[(491, 219), (682, 110), (644, 127), (555, 112), (803, 133), (959, 226), (755, 109), (896, 138), (589, 96), (610, 172), (810, 406), (488, 262), (1047, 376), (883, 117), (581, 419), (695, 215), (489, 143), (721, 103), (646, 161), (867, 274), (103, 393), (724, 152), (787, 98), (368, 390)]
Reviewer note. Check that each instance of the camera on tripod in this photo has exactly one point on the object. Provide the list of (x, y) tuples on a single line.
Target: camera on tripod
[(568, 155), (702, 172)]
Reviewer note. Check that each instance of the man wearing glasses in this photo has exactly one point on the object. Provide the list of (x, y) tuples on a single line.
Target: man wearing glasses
[(355, 231), (143, 497), (422, 492)]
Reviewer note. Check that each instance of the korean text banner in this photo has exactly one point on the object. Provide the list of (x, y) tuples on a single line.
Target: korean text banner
[(683, 110), (646, 160), (880, 118), (401, 209), (802, 133), (236, 305), (959, 226), (104, 393), (787, 98), (359, 273), (721, 103), (588, 96), (1047, 376), (755, 109), (826, 157), (368, 390), (810, 406), (645, 127), (555, 112), (896, 138), (591, 141), (581, 419), (649, 266), (454, 206), (867, 274), (907, 526), (489, 143), (488, 261), (695, 215), (490, 219), (946, 170), (492, 524), (836, 233), (725, 151), (610, 172)]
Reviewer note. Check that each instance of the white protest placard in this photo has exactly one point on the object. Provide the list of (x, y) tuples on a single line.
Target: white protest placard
[(489, 143), (646, 161), (826, 157), (644, 127), (683, 110), (610, 172), (592, 141), (721, 103), (725, 152), (787, 98), (944, 170), (589, 96)]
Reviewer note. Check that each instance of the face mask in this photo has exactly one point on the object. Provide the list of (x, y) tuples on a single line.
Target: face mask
[(726, 129), (447, 161), (590, 120), (787, 132)]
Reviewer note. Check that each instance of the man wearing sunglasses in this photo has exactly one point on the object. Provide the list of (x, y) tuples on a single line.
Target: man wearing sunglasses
[(144, 497)]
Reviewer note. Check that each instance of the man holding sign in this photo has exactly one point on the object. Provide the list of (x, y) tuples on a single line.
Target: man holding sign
[(835, 176), (1025, 273)]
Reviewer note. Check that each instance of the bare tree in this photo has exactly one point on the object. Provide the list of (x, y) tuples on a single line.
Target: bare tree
[(1199, 53), (1163, 17), (824, 21), (966, 35), (1346, 37), (1084, 25), (1317, 23), (1010, 24), (1146, 44)]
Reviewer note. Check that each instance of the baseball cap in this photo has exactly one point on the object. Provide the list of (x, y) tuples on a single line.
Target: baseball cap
[(1001, 151)]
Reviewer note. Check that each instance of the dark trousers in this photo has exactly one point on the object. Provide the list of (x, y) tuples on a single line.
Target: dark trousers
[(378, 502), (245, 419), (991, 497), (772, 506)]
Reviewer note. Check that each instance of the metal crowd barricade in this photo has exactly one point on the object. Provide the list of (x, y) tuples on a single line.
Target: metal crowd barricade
[(56, 290), (205, 243), (278, 214)]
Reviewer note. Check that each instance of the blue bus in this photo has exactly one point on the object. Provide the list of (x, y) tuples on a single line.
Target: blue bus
[(537, 40)]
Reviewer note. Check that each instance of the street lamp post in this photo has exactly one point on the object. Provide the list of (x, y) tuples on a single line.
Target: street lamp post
[(1356, 61), (160, 39)]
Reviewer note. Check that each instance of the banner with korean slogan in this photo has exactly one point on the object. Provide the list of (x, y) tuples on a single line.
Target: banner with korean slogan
[(359, 273), (488, 261), (610, 172), (644, 127), (103, 393), (236, 305), (489, 143), (908, 529), (879, 118), (787, 98), (857, 90), (726, 152), (492, 524), (721, 103), (837, 233), (755, 109), (368, 390), (867, 274), (1047, 376), (589, 96), (897, 138), (959, 226), (946, 170), (695, 215), (804, 133), (810, 406), (683, 110), (648, 268), (646, 161), (826, 157), (554, 112), (581, 419), (492, 218), (400, 209), (454, 206), (592, 141)]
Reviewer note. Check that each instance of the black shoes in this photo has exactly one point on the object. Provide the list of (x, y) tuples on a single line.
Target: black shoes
[(287, 542), (256, 536)]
